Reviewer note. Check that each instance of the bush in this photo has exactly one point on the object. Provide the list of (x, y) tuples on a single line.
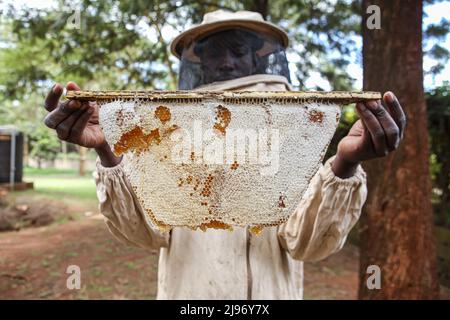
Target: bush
[(438, 102), (44, 144)]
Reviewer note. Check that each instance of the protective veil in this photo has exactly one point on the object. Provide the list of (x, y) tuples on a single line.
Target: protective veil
[(230, 54)]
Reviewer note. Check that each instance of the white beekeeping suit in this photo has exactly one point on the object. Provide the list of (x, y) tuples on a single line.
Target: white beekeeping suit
[(219, 264)]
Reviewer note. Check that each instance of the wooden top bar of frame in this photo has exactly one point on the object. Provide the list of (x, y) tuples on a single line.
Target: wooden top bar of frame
[(343, 97)]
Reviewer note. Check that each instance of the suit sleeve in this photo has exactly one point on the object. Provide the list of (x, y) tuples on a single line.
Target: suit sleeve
[(329, 209), (123, 215)]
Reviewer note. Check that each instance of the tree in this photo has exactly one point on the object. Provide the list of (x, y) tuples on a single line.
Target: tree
[(121, 44), (396, 225)]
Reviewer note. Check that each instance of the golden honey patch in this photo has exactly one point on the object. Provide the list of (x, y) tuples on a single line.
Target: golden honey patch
[(223, 118), (215, 224), (206, 192), (137, 140), (316, 116), (163, 114)]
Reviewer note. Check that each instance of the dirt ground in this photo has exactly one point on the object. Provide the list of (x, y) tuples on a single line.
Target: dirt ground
[(33, 265)]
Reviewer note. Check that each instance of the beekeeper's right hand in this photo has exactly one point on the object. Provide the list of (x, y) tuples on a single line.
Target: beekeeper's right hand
[(77, 122)]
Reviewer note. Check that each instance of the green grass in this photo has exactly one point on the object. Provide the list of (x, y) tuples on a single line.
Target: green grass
[(28, 171), (58, 183)]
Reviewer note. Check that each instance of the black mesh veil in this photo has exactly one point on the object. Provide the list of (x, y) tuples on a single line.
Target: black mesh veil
[(230, 54)]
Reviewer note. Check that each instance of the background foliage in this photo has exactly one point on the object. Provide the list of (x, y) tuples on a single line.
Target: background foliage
[(124, 45)]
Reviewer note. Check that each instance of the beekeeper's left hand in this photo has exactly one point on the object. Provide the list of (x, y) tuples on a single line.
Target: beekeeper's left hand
[(378, 132)]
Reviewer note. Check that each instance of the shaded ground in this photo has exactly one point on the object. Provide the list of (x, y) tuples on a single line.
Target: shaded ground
[(333, 278), (33, 266)]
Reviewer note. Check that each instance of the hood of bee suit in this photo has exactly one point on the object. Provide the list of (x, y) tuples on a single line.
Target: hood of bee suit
[(255, 47)]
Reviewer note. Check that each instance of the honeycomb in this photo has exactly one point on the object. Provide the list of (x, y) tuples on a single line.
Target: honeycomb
[(266, 147)]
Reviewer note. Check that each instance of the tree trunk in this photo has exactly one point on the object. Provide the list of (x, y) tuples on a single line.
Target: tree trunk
[(26, 150), (82, 154), (396, 225), (64, 153), (261, 6)]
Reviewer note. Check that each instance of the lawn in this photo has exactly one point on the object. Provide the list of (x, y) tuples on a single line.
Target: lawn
[(58, 183)]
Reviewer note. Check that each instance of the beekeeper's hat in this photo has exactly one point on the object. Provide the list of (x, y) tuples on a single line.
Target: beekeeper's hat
[(222, 20)]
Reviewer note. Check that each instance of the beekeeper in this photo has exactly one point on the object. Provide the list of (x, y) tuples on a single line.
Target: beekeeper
[(237, 51)]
